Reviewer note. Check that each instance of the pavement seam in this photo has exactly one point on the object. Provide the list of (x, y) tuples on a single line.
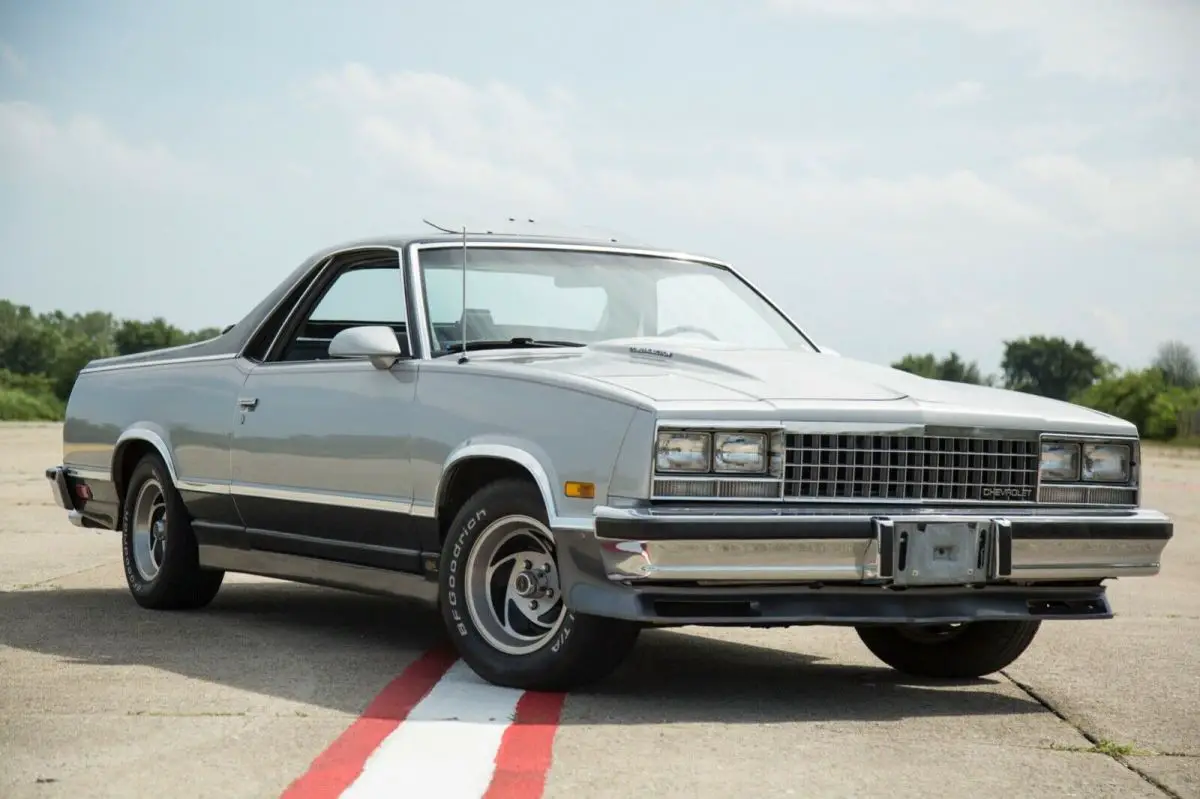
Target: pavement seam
[(1095, 741)]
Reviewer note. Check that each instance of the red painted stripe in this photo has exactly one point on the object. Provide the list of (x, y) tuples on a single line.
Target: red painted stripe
[(339, 765), (523, 760)]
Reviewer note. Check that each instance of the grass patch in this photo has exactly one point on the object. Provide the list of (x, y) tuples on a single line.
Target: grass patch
[(1105, 747), (1114, 749)]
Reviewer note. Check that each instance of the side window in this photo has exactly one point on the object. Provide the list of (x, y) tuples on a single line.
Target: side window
[(361, 294), (368, 295)]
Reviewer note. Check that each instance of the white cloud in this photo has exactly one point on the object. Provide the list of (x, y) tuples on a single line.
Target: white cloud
[(1156, 199), (939, 209), (965, 92), (1111, 39), (11, 60), (493, 142), (490, 140), (84, 151)]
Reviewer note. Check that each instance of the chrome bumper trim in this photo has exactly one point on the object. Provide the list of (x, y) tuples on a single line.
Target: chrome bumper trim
[(59, 488), (864, 549), (1075, 559), (810, 560)]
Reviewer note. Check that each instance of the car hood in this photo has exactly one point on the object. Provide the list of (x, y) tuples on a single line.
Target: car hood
[(695, 371)]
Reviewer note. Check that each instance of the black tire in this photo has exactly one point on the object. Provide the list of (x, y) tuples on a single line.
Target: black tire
[(580, 650), (178, 582), (964, 652)]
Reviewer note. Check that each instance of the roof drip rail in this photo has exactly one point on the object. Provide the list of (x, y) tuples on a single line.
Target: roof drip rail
[(513, 226)]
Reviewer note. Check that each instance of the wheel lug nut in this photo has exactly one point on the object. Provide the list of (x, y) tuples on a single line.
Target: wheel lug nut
[(549, 593), (533, 604), (528, 565)]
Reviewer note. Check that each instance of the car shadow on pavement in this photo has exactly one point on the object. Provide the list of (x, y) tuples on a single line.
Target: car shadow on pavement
[(335, 650)]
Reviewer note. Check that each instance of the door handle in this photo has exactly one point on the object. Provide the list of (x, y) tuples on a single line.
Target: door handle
[(247, 403)]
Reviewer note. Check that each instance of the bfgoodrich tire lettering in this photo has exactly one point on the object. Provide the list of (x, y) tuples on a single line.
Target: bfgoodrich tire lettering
[(950, 652), (500, 538), (158, 547)]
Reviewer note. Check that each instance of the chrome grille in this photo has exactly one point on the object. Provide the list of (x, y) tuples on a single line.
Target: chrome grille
[(905, 467)]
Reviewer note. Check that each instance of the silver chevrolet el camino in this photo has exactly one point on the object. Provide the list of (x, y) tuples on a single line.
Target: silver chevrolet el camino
[(630, 438)]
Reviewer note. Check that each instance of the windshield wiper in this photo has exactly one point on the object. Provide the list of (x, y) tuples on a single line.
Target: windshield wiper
[(519, 342)]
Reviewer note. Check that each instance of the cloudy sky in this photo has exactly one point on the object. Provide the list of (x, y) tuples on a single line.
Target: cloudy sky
[(901, 175)]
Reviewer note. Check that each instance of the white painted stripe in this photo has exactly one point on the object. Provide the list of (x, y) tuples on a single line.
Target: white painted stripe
[(447, 746)]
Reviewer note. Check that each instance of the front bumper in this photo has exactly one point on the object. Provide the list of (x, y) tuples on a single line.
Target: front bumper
[(905, 548)]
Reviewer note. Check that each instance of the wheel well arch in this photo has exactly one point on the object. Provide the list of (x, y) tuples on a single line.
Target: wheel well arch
[(467, 475), (129, 451)]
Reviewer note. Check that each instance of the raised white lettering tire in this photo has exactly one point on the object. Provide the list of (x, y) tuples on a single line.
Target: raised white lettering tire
[(158, 547), (501, 601)]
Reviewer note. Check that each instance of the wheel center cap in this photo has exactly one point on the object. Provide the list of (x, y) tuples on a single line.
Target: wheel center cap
[(528, 585)]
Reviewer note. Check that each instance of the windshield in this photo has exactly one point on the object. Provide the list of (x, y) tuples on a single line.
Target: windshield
[(584, 297)]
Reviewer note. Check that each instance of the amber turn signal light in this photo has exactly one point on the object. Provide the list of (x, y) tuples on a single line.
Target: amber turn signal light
[(579, 490)]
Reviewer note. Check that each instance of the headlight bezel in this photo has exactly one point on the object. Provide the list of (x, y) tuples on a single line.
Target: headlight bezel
[(771, 445), (1080, 445)]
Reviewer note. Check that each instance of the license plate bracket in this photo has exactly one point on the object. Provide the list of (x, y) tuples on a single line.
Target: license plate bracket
[(944, 552)]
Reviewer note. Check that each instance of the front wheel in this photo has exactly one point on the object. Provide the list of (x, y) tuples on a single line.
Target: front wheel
[(502, 602), (950, 651)]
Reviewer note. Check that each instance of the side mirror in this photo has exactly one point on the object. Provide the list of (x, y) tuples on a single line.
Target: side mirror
[(377, 343)]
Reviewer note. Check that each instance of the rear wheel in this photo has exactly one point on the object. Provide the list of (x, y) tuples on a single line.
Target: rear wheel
[(502, 602), (950, 651), (162, 562)]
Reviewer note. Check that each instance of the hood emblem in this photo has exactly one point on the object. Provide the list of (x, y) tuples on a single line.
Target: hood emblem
[(651, 351)]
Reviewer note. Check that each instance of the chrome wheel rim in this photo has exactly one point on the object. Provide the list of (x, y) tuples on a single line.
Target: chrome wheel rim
[(149, 531), (512, 589)]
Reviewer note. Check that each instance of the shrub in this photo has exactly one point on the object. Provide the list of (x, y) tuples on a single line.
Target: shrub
[(17, 405), (1145, 399)]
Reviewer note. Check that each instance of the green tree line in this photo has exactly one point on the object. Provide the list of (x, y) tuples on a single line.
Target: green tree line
[(41, 354), (1163, 399)]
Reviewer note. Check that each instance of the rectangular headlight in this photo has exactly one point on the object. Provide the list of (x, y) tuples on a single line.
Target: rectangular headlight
[(1106, 463), (740, 452), (682, 452), (1060, 462)]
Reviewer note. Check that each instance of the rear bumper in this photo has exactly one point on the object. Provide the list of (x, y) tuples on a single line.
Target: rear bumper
[(977, 548), (61, 489)]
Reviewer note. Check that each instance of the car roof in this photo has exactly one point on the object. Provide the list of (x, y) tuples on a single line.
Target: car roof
[(485, 236)]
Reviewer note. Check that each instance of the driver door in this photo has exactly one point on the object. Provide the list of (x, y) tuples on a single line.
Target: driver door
[(322, 449)]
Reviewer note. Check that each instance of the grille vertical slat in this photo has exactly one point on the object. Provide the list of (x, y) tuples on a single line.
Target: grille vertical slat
[(904, 467)]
